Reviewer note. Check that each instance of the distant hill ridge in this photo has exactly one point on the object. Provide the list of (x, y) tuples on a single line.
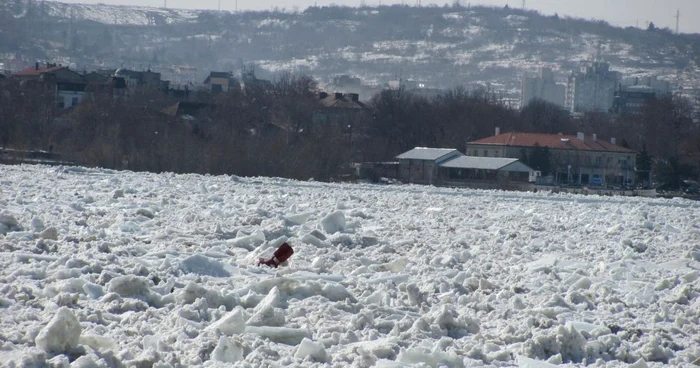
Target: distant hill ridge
[(439, 46)]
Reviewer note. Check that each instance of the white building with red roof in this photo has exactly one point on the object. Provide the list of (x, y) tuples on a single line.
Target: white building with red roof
[(573, 159), (68, 86)]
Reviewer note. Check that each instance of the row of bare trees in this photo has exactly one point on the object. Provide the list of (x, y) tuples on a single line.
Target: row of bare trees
[(272, 130)]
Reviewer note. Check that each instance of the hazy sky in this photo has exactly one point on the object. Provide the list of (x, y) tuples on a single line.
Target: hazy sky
[(622, 13)]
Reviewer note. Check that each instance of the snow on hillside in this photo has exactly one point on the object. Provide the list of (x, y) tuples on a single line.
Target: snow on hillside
[(109, 269), (122, 15)]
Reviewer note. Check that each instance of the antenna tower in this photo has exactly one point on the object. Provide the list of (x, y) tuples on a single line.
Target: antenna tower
[(678, 21), (523, 4)]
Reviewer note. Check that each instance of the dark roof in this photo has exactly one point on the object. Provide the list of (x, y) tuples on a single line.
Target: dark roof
[(217, 75), (342, 101), (94, 77), (185, 108), (133, 74), (554, 141)]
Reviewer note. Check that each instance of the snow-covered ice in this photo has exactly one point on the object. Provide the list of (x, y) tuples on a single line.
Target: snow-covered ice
[(100, 268)]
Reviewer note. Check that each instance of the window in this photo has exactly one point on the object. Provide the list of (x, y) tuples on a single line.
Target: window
[(74, 101), (486, 153), (61, 104)]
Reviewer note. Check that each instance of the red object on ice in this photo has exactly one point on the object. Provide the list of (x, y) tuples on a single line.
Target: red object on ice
[(281, 254)]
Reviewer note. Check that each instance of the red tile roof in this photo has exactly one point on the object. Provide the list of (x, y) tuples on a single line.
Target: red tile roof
[(554, 141), (33, 71)]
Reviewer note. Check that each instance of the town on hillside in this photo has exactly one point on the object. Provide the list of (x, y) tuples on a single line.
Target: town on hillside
[(556, 148)]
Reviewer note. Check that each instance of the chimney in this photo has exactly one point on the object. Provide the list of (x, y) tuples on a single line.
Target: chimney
[(338, 95), (613, 140), (322, 95), (36, 66), (595, 138), (498, 130), (354, 96), (580, 136)]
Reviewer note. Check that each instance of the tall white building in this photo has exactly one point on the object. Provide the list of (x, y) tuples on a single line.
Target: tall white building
[(542, 87), (592, 88)]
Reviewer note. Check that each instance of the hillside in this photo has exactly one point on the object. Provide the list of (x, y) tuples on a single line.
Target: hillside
[(440, 46)]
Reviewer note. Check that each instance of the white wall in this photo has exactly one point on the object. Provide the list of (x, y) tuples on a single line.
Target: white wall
[(67, 98)]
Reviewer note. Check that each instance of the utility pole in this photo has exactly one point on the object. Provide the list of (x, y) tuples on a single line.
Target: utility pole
[(523, 4), (678, 21)]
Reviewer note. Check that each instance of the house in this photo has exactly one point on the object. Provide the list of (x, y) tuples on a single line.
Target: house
[(420, 165), (99, 82), (338, 108), (345, 83), (69, 86), (570, 159), (248, 80), (489, 169), (141, 79), (218, 82), (186, 110), (189, 112), (447, 166)]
